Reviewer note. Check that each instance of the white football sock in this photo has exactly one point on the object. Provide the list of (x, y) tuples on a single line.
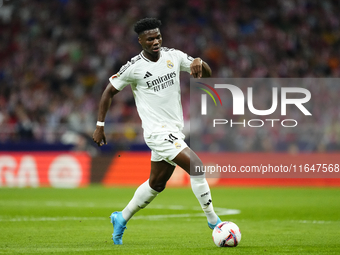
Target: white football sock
[(142, 197), (200, 187)]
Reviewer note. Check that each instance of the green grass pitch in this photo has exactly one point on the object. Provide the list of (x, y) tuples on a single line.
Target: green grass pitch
[(76, 221)]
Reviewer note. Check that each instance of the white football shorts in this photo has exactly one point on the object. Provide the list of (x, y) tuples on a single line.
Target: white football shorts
[(166, 146)]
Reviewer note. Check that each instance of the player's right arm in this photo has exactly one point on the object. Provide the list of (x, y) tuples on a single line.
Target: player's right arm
[(117, 82), (99, 135)]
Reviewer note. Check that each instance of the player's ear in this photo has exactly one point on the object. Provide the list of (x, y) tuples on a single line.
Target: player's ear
[(139, 40)]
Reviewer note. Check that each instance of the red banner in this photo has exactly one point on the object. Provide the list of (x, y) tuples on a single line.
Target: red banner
[(236, 169), (44, 169), (128, 168)]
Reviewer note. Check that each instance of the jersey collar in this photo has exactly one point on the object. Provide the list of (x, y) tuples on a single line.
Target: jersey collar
[(160, 55)]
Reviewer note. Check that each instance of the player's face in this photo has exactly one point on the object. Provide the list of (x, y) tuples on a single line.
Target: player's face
[(151, 41)]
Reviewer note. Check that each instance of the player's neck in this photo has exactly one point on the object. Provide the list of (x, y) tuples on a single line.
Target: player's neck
[(151, 57)]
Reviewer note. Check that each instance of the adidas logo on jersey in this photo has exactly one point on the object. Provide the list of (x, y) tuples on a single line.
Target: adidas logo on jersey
[(147, 75)]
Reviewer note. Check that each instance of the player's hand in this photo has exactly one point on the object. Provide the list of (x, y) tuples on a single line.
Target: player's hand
[(196, 68), (99, 136)]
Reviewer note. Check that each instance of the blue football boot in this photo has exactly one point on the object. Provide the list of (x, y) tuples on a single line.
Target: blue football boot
[(212, 226), (119, 226)]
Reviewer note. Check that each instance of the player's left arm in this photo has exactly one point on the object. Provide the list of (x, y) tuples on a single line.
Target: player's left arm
[(200, 69)]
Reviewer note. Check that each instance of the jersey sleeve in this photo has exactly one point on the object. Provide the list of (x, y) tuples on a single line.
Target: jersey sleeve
[(185, 61), (123, 78)]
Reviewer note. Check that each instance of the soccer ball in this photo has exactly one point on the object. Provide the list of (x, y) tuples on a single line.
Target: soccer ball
[(226, 234)]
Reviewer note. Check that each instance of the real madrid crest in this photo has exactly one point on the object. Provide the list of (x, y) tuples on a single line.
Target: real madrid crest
[(169, 64), (178, 145)]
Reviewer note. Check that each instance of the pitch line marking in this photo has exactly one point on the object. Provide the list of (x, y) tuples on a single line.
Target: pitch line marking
[(96, 205), (138, 217), (219, 211)]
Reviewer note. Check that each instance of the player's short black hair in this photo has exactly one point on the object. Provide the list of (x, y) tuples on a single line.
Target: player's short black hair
[(146, 24)]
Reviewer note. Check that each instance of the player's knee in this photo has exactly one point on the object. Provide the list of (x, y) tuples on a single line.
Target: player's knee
[(157, 186)]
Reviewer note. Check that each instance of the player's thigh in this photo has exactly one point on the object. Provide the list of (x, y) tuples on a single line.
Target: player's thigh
[(166, 146), (189, 161), (161, 172)]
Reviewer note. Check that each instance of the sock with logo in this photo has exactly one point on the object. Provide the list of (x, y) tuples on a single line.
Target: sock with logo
[(142, 197), (200, 187)]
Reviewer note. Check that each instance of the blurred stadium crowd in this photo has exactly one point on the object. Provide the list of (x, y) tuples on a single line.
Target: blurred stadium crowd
[(56, 57)]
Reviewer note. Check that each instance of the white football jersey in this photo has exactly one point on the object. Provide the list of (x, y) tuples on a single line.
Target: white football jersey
[(156, 89)]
